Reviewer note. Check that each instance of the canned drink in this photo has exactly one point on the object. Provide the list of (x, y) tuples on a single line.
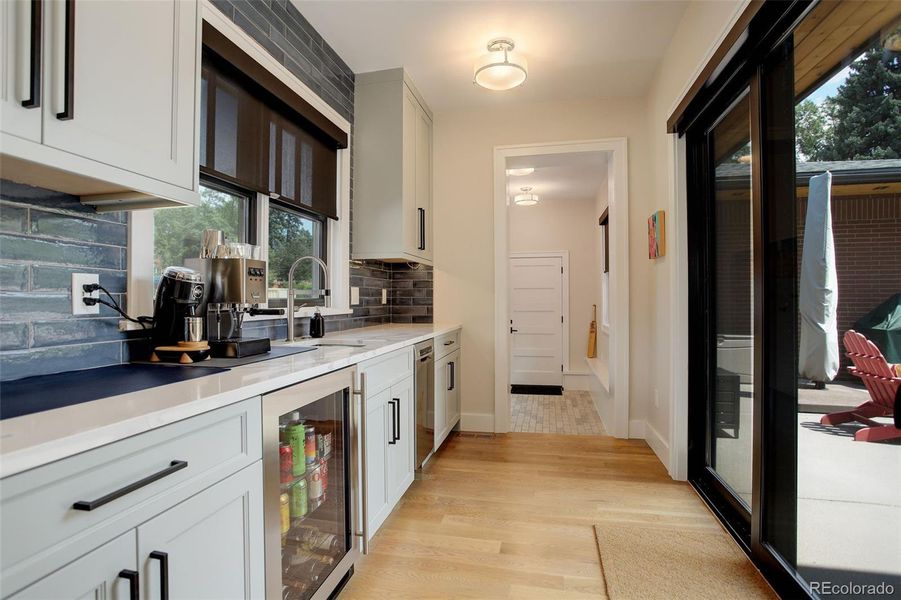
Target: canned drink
[(328, 443), (286, 463), (323, 469), (320, 445), (316, 489), (285, 513), (299, 502), (296, 439), (310, 446)]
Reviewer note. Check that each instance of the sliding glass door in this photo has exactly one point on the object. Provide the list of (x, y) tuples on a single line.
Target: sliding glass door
[(794, 193)]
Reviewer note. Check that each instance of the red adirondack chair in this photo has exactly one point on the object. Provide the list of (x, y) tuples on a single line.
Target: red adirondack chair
[(882, 383)]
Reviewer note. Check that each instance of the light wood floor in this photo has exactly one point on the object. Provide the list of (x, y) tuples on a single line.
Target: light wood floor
[(511, 517), (573, 412)]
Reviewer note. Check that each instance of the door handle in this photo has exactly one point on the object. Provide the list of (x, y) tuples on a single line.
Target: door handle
[(34, 55), (513, 330), (453, 376), (421, 228), (397, 416), (88, 505), (393, 423), (363, 532), (68, 112), (163, 557), (134, 588)]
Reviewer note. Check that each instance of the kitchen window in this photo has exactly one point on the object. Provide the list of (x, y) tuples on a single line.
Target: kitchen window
[(176, 231), (293, 234)]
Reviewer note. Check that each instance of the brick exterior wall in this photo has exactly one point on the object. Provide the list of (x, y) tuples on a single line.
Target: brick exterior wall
[(867, 234)]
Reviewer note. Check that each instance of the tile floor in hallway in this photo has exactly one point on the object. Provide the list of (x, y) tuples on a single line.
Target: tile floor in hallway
[(572, 413)]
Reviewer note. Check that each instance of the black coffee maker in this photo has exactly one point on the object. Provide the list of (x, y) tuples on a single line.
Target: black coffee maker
[(179, 293)]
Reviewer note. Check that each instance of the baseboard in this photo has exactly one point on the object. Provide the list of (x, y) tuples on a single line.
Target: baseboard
[(577, 381), (477, 422), (636, 429), (657, 444)]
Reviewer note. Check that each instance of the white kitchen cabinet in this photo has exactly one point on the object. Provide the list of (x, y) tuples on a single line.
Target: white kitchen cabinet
[(117, 119), (400, 468), (106, 572), (389, 433), (393, 169), (447, 385), (16, 71), (55, 514), (210, 546)]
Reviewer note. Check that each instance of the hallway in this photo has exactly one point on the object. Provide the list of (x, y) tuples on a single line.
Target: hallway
[(573, 413), (512, 516)]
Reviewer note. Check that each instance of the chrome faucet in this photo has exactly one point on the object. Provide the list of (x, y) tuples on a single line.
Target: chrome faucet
[(325, 290)]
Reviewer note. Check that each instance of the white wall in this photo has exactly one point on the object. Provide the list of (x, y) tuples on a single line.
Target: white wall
[(565, 225), (464, 143), (699, 32)]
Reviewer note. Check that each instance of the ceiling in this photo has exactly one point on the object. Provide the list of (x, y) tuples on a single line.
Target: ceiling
[(568, 177), (575, 50)]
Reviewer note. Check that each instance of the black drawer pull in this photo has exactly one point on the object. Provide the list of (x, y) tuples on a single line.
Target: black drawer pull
[(134, 588), (163, 557), (393, 439), (449, 342), (397, 419), (69, 65), (34, 60), (175, 465)]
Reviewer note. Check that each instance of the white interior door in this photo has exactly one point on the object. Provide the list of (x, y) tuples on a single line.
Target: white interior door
[(536, 315)]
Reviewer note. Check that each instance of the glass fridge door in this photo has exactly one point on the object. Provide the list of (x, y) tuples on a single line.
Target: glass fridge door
[(310, 534)]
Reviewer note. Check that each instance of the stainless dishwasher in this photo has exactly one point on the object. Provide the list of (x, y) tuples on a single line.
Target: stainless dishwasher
[(424, 381)]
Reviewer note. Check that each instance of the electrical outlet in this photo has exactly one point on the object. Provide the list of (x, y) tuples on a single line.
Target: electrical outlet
[(79, 280), (384, 296), (354, 295), (656, 398)]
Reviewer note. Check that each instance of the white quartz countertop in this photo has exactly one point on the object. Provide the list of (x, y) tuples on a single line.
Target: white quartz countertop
[(33, 440)]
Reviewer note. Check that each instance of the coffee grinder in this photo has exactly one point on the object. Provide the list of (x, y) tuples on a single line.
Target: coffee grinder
[(177, 333)]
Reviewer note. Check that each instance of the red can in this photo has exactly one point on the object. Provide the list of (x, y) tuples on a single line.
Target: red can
[(286, 463)]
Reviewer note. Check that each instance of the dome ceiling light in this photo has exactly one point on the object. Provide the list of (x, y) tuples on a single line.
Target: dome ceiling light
[(498, 70), (526, 198), (520, 172)]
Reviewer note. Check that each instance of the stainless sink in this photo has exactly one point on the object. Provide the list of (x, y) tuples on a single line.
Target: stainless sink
[(337, 345)]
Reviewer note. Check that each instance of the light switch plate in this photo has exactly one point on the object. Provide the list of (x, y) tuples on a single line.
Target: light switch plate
[(354, 295), (384, 296), (78, 293)]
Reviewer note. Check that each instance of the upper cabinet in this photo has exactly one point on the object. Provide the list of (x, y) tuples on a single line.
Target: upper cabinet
[(392, 170), (99, 99)]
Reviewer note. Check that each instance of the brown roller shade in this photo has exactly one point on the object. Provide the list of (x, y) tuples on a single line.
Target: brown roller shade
[(254, 136)]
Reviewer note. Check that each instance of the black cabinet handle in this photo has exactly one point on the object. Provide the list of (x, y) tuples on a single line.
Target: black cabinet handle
[(450, 375), (175, 465), (69, 77), (453, 376), (34, 61), (397, 416), (449, 342), (421, 228), (134, 589), (163, 557), (393, 439)]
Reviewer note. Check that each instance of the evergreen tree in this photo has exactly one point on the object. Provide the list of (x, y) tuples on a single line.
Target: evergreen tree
[(866, 110), (811, 131)]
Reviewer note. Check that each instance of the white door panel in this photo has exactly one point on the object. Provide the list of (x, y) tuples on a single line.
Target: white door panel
[(536, 312)]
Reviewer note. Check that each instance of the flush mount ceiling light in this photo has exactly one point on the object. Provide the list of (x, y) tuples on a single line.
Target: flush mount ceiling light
[(526, 198), (520, 172), (497, 70)]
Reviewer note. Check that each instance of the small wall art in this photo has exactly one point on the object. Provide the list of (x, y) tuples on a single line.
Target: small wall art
[(657, 235)]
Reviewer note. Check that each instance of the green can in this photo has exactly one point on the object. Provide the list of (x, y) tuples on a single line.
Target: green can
[(299, 499), (296, 439)]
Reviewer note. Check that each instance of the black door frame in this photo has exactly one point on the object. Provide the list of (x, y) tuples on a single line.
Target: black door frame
[(763, 66)]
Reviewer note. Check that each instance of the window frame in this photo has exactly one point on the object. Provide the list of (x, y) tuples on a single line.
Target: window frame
[(323, 241), (139, 258)]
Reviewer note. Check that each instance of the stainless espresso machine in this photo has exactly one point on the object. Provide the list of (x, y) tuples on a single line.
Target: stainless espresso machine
[(235, 285)]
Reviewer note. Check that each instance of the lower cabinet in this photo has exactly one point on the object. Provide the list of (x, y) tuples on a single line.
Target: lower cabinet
[(389, 435), (210, 546), (447, 395), (107, 572)]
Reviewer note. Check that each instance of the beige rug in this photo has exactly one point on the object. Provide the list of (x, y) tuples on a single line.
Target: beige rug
[(643, 563)]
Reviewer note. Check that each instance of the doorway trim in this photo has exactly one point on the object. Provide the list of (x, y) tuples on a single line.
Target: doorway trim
[(563, 255), (618, 205)]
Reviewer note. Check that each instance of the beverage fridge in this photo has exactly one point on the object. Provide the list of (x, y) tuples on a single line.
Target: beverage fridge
[(311, 487)]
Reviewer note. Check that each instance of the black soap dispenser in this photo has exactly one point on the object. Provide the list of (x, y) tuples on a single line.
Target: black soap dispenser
[(317, 325)]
